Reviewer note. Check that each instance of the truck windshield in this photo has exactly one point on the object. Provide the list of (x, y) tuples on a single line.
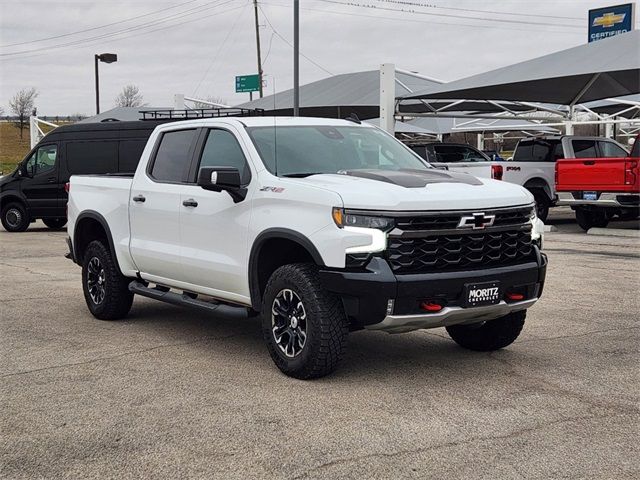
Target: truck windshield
[(299, 151)]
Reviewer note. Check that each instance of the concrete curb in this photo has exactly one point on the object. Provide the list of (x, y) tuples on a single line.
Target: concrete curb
[(614, 232)]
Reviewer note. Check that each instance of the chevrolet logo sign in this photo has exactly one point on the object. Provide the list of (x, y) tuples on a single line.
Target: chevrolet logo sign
[(477, 221), (608, 20)]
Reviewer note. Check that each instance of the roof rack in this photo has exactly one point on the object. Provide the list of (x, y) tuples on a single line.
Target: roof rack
[(170, 114)]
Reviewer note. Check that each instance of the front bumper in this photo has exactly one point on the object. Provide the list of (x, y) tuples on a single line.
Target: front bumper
[(376, 299), (605, 199)]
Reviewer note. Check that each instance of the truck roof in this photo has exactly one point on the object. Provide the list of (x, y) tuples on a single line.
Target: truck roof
[(271, 121)]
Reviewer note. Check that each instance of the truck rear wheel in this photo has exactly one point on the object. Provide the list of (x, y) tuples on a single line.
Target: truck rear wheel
[(490, 335), (54, 223), (106, 290), (304, 326), (542, 204), (15, 217), (587, 218)]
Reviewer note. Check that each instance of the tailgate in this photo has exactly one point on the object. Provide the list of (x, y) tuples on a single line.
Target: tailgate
[(592, 174)]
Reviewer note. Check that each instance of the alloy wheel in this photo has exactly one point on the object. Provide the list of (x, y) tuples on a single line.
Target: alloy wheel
[(96, 280), (289, 322)]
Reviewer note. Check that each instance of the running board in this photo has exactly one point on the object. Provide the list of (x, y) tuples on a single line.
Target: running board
[(165, 295)]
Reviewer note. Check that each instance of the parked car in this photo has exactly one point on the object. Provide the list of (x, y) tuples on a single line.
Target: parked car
[(35, 190), (533, 164), (600, 188), (459, 157), (321, 226), (493, 155)]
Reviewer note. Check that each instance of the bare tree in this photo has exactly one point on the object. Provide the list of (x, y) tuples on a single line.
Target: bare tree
[(211, 99), (129, 97), (21, 105)]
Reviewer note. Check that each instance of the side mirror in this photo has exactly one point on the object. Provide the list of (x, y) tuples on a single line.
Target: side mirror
[(22, 170), (218, 179)]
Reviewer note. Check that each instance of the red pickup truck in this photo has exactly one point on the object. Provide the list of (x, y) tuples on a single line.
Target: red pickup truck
[(600, 188)]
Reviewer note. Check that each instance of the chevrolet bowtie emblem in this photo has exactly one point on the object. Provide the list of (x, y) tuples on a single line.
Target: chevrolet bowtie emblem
[(477, 221), (608, 20)]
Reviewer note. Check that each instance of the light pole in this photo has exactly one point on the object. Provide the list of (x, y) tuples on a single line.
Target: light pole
[(296, 58), (106, 58)]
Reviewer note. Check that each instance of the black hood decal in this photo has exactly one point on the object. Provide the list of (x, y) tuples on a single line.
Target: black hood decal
[(410, 178)]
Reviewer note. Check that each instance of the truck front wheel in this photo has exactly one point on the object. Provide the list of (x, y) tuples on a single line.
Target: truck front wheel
[(15, 217), (304, 326), (106, 290), (490, 335), (587, 218)]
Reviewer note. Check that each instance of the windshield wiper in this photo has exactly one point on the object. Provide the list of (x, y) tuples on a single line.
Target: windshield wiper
[(300, 174)]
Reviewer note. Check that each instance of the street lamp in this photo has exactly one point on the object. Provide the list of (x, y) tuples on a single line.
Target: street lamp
[(106, 58)]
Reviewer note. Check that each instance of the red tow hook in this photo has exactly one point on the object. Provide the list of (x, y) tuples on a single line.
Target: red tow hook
[(430, 306)]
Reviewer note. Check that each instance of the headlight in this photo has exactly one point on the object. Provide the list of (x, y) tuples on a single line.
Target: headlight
[(537, 229), (345, 219)]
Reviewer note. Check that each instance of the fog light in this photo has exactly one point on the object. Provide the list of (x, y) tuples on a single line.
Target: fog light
[(430, 306)]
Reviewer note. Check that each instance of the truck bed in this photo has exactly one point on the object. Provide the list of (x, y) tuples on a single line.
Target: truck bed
[(598, 174)]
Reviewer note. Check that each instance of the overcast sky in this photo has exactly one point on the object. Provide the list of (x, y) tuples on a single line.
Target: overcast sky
[(197, 47)]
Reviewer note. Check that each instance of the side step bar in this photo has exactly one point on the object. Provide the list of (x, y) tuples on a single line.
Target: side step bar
[(165, 295)]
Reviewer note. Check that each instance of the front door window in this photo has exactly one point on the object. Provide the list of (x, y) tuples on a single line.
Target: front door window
[(42, 160)]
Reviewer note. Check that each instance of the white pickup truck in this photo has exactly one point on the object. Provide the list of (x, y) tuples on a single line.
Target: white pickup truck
[(532, 166), (320, 226)]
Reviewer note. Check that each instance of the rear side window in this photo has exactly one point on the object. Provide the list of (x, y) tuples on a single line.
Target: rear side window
[(129, 155), (173, 156), (611, 150), (92, 157), (223, 150), (457, 153), (532, 151), (584, 148)]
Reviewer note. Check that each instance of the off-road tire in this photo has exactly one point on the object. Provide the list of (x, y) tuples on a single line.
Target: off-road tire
[(117, 299), (326, 323), (490, 335), (55, 223), (14, 217), (587, 218)]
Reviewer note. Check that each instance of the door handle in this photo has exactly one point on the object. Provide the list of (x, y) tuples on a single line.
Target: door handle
[(190, 203), (139, 198), (589, 162), (51, 179)]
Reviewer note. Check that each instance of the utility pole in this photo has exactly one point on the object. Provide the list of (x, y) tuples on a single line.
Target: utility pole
[(255, 9), (296, 58)]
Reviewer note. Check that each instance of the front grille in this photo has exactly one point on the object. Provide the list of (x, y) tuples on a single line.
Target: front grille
[(459, 252), (515, 216)]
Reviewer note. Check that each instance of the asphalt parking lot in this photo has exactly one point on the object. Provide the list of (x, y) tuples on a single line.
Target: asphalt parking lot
[(175, 393)]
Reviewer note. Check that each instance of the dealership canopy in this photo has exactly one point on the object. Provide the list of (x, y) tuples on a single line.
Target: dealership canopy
[(604, 69)]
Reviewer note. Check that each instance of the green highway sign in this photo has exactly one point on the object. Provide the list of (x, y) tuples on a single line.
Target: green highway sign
[(247, 83)]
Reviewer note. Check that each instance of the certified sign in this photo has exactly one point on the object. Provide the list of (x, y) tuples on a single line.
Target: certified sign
[(609, 21)]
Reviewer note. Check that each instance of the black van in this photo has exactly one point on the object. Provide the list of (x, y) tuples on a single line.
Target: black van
[(36, 189)]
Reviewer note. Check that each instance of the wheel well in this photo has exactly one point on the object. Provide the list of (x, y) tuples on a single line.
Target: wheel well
[(538, 184), (11, 199), (86, 231), (271, 255)]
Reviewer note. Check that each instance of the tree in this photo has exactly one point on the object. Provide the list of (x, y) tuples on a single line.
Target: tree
[(129, 97), (21, 105)]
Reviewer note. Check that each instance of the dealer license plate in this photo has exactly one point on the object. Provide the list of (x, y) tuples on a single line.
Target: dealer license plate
[(589, 195), (485, 293)]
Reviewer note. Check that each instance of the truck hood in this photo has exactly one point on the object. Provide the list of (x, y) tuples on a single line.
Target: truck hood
[(418, 190)]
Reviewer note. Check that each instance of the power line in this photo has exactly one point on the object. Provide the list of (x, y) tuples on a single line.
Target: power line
[(96, 42), (427, 22), (290, 44), (153, 23), (224, 41), (98, 27), (430, 5), (446, 15)]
